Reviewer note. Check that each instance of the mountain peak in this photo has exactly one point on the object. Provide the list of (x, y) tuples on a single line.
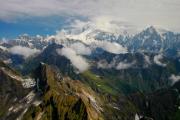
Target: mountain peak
[(151, 30), (159, 30)]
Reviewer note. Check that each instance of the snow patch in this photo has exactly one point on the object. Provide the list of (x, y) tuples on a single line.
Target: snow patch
[(92, 101), (137, 117), (28, 83)]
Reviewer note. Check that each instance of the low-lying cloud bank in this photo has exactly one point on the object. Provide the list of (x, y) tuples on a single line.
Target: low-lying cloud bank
[(77, 61), (174, 78), (111, 47), (105, 65), (157, 60), (147, 59), (124, 65), (24, 51), (81, 49), (114, 64), (3, 48)]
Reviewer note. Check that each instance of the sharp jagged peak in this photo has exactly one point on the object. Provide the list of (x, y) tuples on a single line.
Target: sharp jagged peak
[(155, 30), (150, 30)]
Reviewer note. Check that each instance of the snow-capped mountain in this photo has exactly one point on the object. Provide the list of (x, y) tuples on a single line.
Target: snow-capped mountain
[(147, 40), (26, 40), (151, 39)]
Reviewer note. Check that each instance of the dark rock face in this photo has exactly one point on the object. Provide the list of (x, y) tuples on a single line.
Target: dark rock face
[(148, 40), (143, 75), (71, 99), (41, 78), (59, 95), (11, 91), (177, 86), (159, 105), (4, 55)]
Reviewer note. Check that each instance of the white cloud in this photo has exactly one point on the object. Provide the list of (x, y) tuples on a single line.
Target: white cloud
[(81, 49), (157, 60), (3, 48), (24, 51), (114, 64), (147, 59), (77, 61), (124, 65), (105, 65), (165, 12), (174, 78), (114, 25), (102, 23), (111, 47)]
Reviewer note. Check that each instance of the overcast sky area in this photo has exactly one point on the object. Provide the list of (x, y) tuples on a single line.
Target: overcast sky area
[(45, 16)]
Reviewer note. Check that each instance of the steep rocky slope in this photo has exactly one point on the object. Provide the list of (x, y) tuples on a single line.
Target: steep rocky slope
[(64, 98), (57, 96), (12, 93), (159, 105)]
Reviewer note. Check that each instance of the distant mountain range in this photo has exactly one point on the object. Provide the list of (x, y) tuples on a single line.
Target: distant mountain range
[(149, 40)]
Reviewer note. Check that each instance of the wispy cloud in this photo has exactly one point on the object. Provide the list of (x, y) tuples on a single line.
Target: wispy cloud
[(3, 48), (105, 65), (147, 59), (24, 51), (105, 23), (124, 65), (77, 61), (80, 48), (115, 64), (157, 60), (174, 78), (111, 47)]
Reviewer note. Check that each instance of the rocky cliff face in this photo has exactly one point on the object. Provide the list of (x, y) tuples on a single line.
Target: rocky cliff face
[(64, 98), (162, 104), (11, 93)]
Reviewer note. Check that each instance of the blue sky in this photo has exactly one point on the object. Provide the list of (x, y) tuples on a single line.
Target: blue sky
[(32, 26), (46, 16)]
